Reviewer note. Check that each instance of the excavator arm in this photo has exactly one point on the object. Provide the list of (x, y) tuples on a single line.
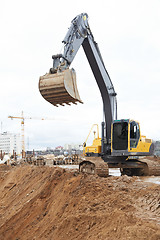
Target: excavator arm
[(78, 31), (59, 86)]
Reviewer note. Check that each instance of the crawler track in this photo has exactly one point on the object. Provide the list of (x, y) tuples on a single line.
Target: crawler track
[(94, 165), (147, 167), (152, 167)]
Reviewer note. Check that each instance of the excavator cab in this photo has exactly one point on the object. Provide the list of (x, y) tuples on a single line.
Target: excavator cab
[(60, 87), (128, 141)]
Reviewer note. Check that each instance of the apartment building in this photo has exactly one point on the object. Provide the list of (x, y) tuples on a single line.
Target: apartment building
[(9, 142)]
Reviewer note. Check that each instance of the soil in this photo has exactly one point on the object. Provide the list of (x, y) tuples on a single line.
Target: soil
[(42, 202)]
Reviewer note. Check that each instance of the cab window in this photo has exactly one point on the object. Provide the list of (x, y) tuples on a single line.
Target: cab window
[(120, 136), (134, 134)]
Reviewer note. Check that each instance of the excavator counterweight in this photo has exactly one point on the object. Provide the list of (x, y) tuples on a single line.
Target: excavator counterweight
[(60, 87)]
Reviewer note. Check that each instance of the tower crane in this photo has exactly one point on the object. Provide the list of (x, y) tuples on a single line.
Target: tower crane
[(22, 127)]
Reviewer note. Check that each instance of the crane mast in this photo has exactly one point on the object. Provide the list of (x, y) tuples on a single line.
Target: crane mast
[(23, 118)]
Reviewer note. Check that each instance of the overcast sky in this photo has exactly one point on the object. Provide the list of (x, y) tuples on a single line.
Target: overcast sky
[(128, 35)]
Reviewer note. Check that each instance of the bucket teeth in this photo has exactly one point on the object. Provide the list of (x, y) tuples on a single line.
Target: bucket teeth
[(60, 88)]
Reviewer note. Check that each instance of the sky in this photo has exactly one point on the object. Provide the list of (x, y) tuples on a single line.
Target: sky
[(128, 35)]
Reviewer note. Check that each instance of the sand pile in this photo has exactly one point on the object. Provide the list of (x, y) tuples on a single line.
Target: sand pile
[(54, 203)]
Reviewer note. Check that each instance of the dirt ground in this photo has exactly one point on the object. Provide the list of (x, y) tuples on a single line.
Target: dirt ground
[(58, 204)]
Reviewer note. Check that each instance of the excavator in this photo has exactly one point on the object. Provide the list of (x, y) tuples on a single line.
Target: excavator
[(121, 144)]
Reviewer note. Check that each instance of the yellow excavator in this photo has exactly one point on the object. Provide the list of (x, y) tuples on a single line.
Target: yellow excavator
[(121, 144)]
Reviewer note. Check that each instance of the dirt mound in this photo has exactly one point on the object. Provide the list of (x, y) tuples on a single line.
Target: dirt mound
[(53, 203)]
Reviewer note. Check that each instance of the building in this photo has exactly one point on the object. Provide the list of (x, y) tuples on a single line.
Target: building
[(72, 146), (10, 142), (59, 148)]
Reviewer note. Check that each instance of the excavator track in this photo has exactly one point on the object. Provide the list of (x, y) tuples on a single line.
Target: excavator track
[(147, 167), (94, 165), (152, 167)]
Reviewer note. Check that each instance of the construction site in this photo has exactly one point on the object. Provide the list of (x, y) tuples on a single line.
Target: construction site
[(110, 189), (50, 202)]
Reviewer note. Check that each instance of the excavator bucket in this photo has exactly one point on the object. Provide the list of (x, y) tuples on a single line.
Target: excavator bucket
[(60, 87)]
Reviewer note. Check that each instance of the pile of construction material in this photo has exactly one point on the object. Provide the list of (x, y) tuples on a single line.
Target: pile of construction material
[(51, 159)]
